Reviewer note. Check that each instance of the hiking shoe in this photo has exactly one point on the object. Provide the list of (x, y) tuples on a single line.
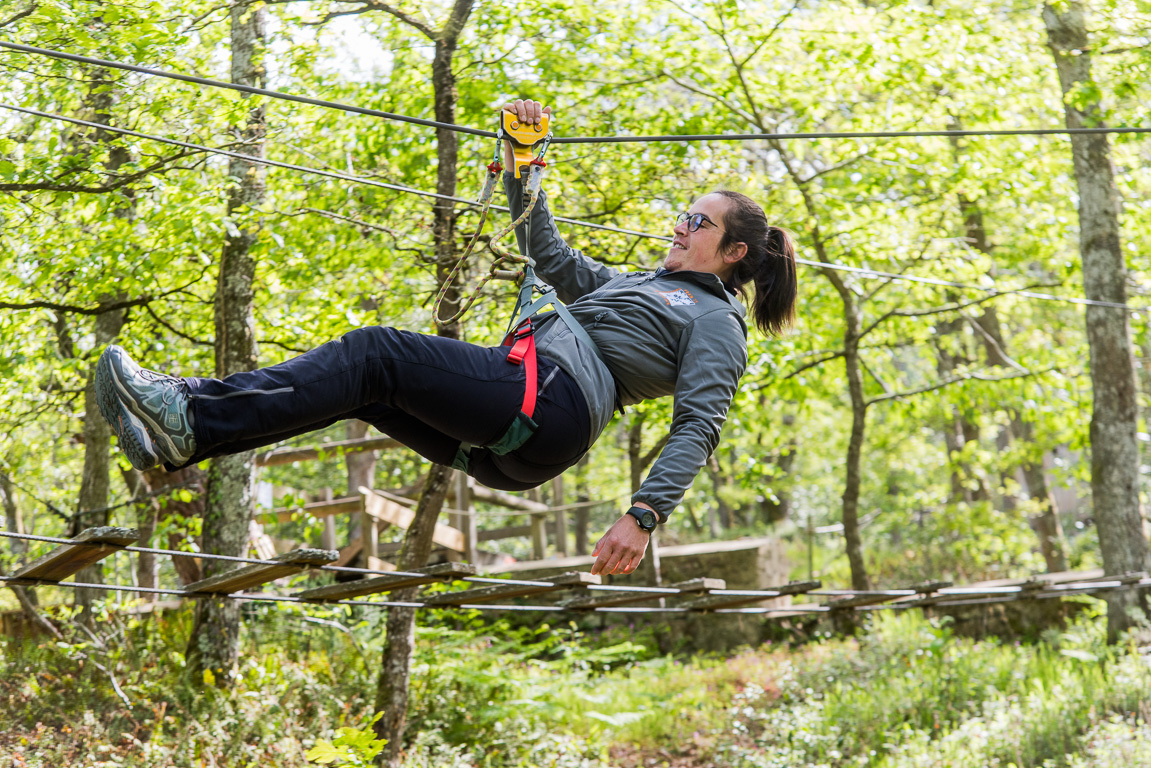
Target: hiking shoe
[(159, 403), (135, 441)]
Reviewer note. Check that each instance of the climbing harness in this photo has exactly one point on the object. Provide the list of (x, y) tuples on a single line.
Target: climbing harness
[(529, 144)]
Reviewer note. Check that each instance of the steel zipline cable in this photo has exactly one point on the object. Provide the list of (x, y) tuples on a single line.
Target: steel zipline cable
[(299, 168), (574, 222), (563, 139), (257, 561), (242, 88)]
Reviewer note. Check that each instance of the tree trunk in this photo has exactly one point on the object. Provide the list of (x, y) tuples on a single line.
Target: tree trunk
[(394, 681), (147, 511), (561, 517), (635, 448), (1046, 523), (959, 429), (95, 483), (194, 480), (214, 643), (582, 514), (1114, 450), (726, 519), (778, 510), (853, 326), (29, 604), (1047, 526), (361, 466), (638, 461)]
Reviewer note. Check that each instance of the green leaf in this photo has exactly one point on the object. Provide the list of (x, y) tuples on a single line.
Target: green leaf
[(325, 753)]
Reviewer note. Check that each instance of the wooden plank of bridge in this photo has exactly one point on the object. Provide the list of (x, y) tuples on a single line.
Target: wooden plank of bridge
[(92, 545), (428, 575), (867, 598), (388, 511), (721, 600), (601, 600), (1128, 577), (884, 596), (254, 574), (573, 580)]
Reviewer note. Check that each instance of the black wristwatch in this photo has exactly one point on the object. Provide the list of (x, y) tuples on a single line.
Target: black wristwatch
[(647, 519)]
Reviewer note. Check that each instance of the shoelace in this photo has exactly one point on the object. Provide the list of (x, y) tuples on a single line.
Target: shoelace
[(173, 387)]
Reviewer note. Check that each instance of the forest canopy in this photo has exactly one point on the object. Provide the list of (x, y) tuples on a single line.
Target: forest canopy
[(966, 384)]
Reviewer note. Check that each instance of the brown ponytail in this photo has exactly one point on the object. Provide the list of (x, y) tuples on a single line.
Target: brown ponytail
[(770, 263)]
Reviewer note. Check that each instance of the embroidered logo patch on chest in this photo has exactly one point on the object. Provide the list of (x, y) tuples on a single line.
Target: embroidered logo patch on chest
[(680, 298)]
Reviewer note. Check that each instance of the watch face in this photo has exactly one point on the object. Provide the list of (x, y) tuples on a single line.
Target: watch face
[(648, 520)]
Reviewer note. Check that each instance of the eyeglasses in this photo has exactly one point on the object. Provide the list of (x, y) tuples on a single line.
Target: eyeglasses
[(695, 220)]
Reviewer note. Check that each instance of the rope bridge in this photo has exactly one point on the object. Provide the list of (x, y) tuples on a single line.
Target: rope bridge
[(574, 592)]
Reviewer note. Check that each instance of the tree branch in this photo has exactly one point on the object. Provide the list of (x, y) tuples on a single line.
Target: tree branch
[(282, 345), (952, 307), (837, 166), (375, 5), (991, 341), (734, 108), (974, 375), (175, 330), (813, 364), (111, 306), (770, 34), (871, 372), (646, 460), (122, 181), (461, 9), (21, 15)]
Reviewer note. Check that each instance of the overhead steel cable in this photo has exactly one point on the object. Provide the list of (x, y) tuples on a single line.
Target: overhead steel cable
[(257, 561), (304, 168), (574, 222), (677, 137), (674, 137), (242, 88)]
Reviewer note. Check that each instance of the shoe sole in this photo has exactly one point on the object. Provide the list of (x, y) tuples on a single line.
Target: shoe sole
[(122, 396), (124, 423)]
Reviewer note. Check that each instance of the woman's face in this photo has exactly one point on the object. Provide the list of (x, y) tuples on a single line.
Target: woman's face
[(699, 251)]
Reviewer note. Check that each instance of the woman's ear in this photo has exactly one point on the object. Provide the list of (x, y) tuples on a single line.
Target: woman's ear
[(735, 253)]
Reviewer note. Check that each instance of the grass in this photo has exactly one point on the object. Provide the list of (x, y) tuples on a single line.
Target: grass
[(907, 693)]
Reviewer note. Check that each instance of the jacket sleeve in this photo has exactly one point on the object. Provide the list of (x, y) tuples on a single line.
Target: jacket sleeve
[(712, 358), (566, 269)]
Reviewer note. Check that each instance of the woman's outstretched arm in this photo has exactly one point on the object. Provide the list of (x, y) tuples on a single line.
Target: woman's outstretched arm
[(566, 269)]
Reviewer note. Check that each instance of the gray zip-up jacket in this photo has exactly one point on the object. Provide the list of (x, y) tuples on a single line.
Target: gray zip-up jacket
[(660, 333)]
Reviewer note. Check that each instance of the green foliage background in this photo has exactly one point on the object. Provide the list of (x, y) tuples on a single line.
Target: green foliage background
[(609, 68)]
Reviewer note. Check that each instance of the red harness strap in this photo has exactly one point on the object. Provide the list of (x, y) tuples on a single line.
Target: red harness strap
[(523, 350)]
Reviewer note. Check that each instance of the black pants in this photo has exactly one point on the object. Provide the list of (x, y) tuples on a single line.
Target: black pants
[(428, 392)]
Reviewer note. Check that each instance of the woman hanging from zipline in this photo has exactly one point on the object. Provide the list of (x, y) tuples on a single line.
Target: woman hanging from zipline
[(678, 331)]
